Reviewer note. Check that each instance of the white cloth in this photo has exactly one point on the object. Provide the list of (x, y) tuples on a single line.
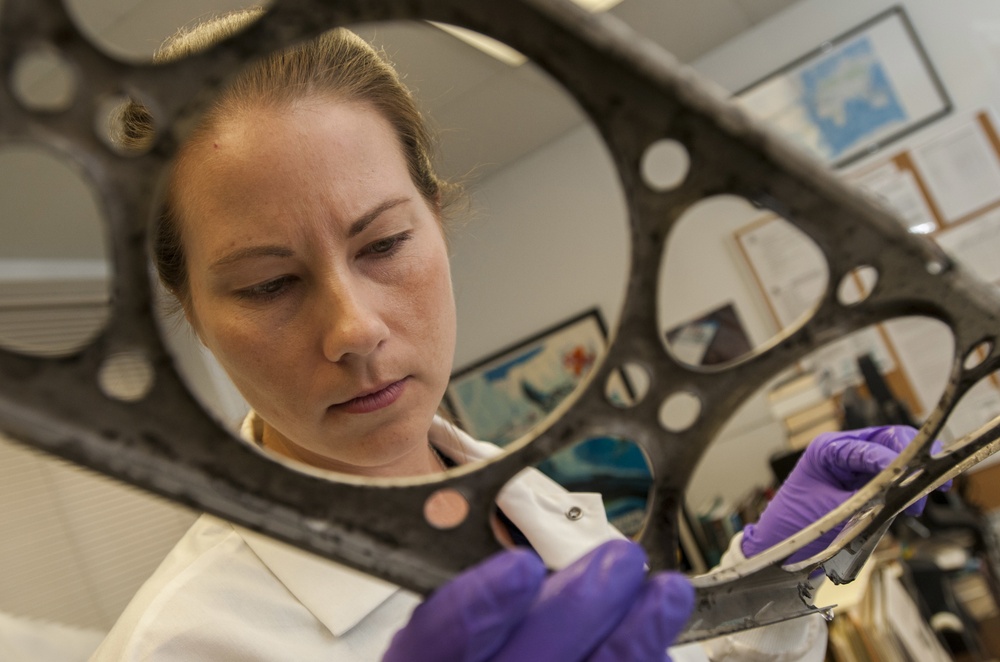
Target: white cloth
[(798, 640), (227, 593)]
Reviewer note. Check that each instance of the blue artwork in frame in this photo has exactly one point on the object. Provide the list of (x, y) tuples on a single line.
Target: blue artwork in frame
[(853, 94), (505, 395)]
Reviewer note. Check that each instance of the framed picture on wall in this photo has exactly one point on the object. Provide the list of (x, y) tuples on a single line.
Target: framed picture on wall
[(854, 94), (504, 395), (714, 338)]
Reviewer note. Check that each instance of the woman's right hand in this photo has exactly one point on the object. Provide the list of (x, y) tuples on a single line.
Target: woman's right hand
[(602, 608)]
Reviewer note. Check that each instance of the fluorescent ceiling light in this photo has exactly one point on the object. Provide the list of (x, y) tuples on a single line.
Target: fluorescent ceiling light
[(502, 51), (597, 6), (923, 228), (488, 45)]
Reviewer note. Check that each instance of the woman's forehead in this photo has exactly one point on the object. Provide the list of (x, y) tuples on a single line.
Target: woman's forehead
[(345, 155), (299, 129)]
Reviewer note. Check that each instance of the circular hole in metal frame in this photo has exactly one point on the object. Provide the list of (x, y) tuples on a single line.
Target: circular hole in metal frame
[(665, 165), (935, 267), (975, 357), (42, 80), (680, 411), (124, 125), (127, 376), (627, 386), (857, 285), (446, 508)]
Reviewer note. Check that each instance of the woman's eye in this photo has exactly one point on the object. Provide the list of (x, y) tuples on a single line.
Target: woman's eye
[(266, 290), (383, 247)]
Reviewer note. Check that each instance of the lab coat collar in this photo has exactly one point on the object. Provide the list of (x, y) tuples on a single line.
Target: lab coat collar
[(570, 525), (339, 597)]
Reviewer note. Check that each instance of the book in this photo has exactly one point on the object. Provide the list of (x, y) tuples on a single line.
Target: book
[(811, 416), (796, 394), (803, 438), (718, 522)]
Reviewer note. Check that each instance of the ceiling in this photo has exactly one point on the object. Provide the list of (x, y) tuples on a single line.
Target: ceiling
[(489, 114)]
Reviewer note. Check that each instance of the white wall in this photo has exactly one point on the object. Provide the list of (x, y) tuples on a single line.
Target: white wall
[(960, 37), (554, 222), (547, 239)]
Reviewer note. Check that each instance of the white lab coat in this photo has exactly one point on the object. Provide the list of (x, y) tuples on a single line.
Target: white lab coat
[(227, 593)]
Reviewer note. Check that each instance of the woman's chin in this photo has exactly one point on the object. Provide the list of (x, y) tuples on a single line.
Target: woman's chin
[(375, 457)]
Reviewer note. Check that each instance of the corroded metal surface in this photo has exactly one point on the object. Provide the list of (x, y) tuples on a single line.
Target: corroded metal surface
[(636, 95)]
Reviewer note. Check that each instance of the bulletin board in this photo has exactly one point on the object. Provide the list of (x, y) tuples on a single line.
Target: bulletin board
[(791, 274), (945, 182), (948, 188)]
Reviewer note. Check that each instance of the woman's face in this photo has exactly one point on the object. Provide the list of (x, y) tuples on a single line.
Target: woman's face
[(319, 279)]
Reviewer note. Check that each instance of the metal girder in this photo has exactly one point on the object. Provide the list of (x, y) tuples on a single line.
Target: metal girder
[(636, 95)]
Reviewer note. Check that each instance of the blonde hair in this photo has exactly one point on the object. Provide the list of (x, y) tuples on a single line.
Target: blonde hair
[(338, 65)]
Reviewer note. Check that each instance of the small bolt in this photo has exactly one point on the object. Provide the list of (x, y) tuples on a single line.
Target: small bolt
[(574, 513)]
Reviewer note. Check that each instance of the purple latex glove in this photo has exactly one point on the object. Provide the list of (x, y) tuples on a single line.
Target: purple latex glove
[(834, 466), (602, 608)]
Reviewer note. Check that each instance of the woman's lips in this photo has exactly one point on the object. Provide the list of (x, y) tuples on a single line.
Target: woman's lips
[(379, 399)]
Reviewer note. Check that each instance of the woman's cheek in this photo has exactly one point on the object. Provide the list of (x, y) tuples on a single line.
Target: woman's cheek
[(243, 335)]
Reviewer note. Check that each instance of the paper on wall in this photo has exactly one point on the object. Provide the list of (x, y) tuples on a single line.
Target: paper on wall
[(976, 408), (976, 244), (926, 350), (899, 190), (791, 268), (793, 274), (838, 363), (961, 170)]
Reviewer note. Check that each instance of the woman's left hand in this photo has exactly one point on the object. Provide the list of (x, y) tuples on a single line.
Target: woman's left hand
[(834, 466), (602, 608)]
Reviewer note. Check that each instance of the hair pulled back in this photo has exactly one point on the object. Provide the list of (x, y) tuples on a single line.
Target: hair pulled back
[(337, 65)]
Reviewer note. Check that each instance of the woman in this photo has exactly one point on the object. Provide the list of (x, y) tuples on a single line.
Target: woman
[(304, 241)]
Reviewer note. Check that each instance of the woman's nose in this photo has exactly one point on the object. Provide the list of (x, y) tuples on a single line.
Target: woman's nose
[(352, 324)]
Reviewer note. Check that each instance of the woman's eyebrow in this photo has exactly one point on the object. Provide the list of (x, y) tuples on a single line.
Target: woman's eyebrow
[(358, 226), (250, 252)]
